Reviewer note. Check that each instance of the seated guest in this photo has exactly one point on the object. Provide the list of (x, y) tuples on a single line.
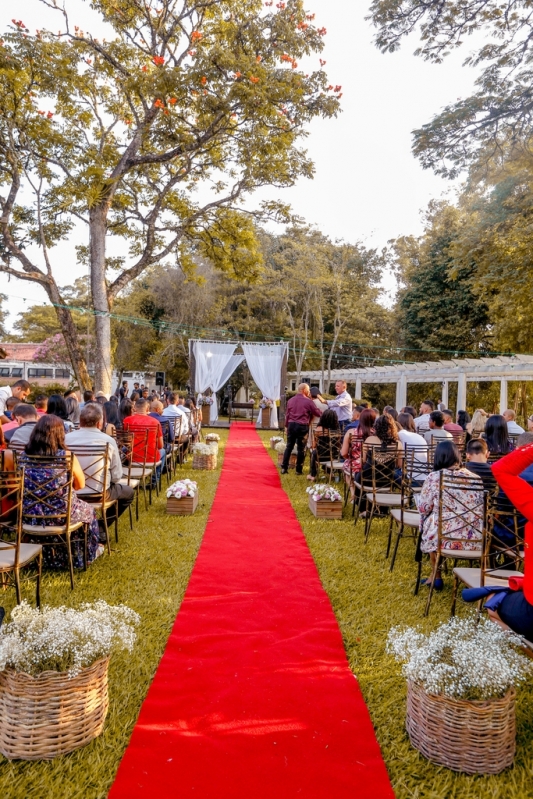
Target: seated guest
[(414, 441), (353, 442), (125, 409), (476, 427), (463, 524), (449, 424), (463, 419), (12, 425), (394, 413), (111, 418), (91, 434), (58, 407), (514, 613), (387, 448), (409, 409), (497, 435), (356, 413), (156, 412), (324, 449), (41, 404), (88, 396), (422, 421), (513, 428), (73, 409), (436, 428), (48, 438), (27, 417), (138, 423), (101, 398), (477, 455), (173, 410)]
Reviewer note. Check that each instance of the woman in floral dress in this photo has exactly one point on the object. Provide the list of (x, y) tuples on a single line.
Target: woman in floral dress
[(353, 442), (48, 438), (457, 523)]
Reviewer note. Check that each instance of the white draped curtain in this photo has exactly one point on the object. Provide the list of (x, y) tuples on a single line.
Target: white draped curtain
[(215, 363), (264, 362)]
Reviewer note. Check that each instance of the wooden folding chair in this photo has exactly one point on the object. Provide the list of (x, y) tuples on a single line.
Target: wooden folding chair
[(384, 491), (328, 445), (125, 447), (14, 555), (406, 515), (47, 502), (95, 461)]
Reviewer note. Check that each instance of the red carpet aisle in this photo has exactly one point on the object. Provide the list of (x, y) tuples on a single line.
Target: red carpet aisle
[(253, 698)]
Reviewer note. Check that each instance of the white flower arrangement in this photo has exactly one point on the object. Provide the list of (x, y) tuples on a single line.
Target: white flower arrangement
[(182, 488), (204, 449), (212, 437), (276, 439), (461, 659), (205, 400), (323, 492), (65, 639), (266, 402), (281, 446)]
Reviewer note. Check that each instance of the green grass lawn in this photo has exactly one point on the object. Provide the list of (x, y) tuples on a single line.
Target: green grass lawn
[(148, 570), (368, 601)]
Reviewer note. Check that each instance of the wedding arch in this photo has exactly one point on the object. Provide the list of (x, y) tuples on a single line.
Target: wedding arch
[(212, 363)]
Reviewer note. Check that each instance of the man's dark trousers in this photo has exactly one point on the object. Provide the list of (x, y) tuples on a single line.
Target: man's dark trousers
[(296, 434)]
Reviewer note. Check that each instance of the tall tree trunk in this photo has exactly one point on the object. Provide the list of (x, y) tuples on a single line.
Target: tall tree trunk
[(102, 365), (70, 334)]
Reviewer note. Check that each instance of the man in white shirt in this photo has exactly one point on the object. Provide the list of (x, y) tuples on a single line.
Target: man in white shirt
[(173, 410), (513, 428), (342, 404), (20, 390), (90, 434), (422, 421)]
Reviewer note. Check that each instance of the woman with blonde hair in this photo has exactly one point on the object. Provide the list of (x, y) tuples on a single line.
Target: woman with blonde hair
[(477, 425)]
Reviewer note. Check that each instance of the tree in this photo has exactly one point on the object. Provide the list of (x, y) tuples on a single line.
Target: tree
[(3, 317), (437, 307), (501, 109), (184, 95)]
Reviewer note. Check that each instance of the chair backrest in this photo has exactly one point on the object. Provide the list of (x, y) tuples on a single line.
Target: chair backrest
[(175, 422), (95, 462), (328, 445), (462, 511), (417, 464), (11, 492), (382, 464), (166, 428), (47, 489)]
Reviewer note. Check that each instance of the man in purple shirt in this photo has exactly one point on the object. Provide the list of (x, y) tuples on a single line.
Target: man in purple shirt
[(300, 410)]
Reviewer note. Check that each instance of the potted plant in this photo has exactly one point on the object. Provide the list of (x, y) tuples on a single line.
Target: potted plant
[(182, 497), (204, 456), (53, 676), (462, 681), (325, 502)]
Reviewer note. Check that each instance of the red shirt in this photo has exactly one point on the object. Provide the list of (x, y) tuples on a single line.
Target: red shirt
[(451, 427), (301, 409), (138, 424)]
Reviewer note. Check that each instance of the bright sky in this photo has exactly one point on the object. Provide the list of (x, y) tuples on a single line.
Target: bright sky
[(368, 187)]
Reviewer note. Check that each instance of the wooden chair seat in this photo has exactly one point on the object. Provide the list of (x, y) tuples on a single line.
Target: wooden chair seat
[(108, 503), (386, 499), (410, 518), (462, 554), (133, 483), (335, 465), (472, 577), (8, 553), (37, 529)]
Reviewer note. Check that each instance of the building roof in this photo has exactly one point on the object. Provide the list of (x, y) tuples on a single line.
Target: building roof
[(23, 351)]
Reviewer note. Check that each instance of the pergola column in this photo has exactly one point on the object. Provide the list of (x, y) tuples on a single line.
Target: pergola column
[(503, 395), (401, 393), (445, 393), (358, 388), (461, 391)]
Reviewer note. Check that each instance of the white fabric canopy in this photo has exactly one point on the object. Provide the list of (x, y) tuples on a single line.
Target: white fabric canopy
[(264, 362), (215, 363)]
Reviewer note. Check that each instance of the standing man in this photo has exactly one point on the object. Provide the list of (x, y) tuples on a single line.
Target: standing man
[(300, 411), (123, 390), (20, 390), (342, 404)]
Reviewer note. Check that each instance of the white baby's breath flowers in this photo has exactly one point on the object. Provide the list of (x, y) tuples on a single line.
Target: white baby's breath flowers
[(212, 437), (204, 449), (461, 658), (281, 447), (65, 639), (323, 492), (276, 439)]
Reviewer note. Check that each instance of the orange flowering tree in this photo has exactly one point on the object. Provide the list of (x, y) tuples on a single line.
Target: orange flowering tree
[(155, 134)]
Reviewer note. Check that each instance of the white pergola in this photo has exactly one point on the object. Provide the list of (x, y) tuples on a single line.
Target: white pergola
[(501, 368)]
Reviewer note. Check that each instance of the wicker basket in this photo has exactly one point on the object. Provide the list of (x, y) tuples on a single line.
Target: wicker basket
[(292, 460), (476, 737), (208, 462), (50, 715)]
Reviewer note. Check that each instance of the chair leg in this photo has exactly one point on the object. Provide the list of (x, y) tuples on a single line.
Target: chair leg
[(38, 582), (418, 576), (137, 492), (17, 586), (454, 594), (116, 525), (368, 522), (85, 547), (433, 576), (389, 539), (399, 535), (131, 517), (106, 528), (70, 562)]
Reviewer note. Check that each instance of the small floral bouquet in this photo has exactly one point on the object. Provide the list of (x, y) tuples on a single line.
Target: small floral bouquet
[(204, 449), (182, 488), (266, 403), (65, 639), (281, 446), (207, 400), (212, 437), (275, 440), (461, 659), (322, 491)]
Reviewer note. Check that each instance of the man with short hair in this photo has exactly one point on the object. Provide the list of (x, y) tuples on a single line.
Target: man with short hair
[(299, 412), (123, 390), (90, 434), (422, 421), (26, 417), (513, 428), (436, 428), (135, 389), (20, 390), (342, 404), (41, 404), (156, 412), (449, 424), (356, 413), (477, 454), (138, 423), (12, 424), (173, 409), (88, 396)]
